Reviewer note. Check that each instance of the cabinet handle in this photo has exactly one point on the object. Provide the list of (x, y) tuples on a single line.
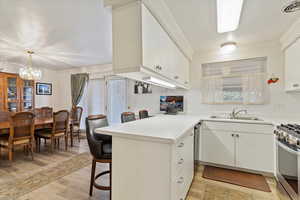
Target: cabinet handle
[(180, 181), (296, 85), (181, 145), (237, 135), (181, 161), (232, 135)]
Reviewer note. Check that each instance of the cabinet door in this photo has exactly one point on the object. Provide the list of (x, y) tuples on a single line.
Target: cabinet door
[(218, 147), (158, 48), (151, 37), (292, 69), (255, 151), (2, 96), (12, 94), (27, 95)]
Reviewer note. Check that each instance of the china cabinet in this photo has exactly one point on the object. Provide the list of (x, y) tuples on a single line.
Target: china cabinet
[(15, 94)]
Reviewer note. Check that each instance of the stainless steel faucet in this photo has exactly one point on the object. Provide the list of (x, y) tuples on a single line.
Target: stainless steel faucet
[(235, 113)]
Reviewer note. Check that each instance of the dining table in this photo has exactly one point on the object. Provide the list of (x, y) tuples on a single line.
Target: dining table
[(39, 124)]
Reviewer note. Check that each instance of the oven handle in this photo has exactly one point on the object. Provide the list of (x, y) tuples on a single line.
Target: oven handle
[(287, 148)]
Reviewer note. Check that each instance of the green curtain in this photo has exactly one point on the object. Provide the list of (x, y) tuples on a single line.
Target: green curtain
[(78, 84)]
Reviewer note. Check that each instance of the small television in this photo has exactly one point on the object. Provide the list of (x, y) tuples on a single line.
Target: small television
[(165, 101)]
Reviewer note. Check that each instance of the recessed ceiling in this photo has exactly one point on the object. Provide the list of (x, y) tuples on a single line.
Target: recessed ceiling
[(63, 33), (261, 21)]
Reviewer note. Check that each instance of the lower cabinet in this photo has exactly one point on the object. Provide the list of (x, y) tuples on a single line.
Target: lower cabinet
[(152, 169), (255, 151), (183, 166), (218, 147), (247, 146)]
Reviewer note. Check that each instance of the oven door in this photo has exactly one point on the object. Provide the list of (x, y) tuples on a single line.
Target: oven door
[(287, 169)]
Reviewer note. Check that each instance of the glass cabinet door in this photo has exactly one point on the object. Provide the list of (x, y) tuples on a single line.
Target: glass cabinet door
[(12, 89), (27, 102), (12, 93)]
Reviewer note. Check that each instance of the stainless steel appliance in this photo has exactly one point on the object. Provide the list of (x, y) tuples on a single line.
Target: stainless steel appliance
[(288, 159)]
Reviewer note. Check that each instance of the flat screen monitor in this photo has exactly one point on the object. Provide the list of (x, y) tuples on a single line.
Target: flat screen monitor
[(166, 100)]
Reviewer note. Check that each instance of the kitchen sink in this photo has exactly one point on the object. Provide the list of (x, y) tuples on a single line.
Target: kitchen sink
[(237, 118)]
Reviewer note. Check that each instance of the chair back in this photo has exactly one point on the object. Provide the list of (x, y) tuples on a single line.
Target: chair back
[(143, 114), (22, 126), (60, 121), (127, 117), (43, 113), (47, 112), (96, 140), (4, 116), (76, 114)]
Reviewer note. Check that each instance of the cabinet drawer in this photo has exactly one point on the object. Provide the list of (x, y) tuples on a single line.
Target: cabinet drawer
[(238, 127)]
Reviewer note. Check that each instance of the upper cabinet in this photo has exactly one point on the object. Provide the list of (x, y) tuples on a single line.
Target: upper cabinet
[(290, 42), (292, 67), (142, 48), (15, 94)]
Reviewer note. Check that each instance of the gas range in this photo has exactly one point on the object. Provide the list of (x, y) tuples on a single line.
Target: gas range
[(288, 158), (289, 134)]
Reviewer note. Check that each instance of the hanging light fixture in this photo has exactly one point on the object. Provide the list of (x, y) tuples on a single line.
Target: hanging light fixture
[(28, 72)]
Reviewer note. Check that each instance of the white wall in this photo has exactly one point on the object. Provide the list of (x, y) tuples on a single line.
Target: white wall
[(281, 104), (64, 82), (49, 76)]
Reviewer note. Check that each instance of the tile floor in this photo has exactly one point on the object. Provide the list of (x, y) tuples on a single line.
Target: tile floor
[(75, 185)]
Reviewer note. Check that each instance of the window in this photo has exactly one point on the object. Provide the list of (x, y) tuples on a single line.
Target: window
[(234, 82)]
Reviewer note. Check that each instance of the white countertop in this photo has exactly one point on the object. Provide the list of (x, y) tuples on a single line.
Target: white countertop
[(167, 128), (170, 128)]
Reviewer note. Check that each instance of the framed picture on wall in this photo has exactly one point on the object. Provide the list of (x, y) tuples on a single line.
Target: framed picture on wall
[(43, 88)]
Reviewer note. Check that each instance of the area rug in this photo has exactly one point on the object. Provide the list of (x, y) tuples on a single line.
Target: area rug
[(245, 179), (19, 187)]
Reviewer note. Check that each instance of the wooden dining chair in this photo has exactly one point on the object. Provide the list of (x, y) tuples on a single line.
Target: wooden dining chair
[(76, 114), (101, 149), (47, 112), (21, 132), (127, 117), (59, 130), (143, 114), (4, 117)]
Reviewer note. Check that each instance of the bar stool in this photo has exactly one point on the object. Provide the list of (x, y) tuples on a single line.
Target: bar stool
[(143, 114), (100, 147), (127, 117)]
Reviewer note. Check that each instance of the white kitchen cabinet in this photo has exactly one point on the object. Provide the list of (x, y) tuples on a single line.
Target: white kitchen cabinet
[(241, 145), (218, 147), (142, 48), (253, 151), (183, 166), (292, 67)]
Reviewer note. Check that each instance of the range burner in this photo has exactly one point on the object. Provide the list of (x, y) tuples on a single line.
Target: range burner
[(289, 134)]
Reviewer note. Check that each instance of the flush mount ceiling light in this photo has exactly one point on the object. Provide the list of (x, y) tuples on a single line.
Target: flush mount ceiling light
[(228, 47), (159, 82), (28, 72), (229, 13)]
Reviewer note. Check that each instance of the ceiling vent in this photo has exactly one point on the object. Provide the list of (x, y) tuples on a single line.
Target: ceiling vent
[(292, 6)]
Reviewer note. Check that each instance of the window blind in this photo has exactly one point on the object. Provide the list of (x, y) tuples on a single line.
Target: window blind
[(241, 81)]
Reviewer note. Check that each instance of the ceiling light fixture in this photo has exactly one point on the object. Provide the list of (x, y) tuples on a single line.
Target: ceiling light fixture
[(159, 82), (228, 47), (229, 13), (28, 72)]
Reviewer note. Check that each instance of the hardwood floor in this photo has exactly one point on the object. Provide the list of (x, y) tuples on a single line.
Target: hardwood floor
[(74, 184)]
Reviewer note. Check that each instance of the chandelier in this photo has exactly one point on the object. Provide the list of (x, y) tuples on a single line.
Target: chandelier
[(28, 72)]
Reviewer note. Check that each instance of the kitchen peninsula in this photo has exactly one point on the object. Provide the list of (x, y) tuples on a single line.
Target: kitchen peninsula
[(152, 158)]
